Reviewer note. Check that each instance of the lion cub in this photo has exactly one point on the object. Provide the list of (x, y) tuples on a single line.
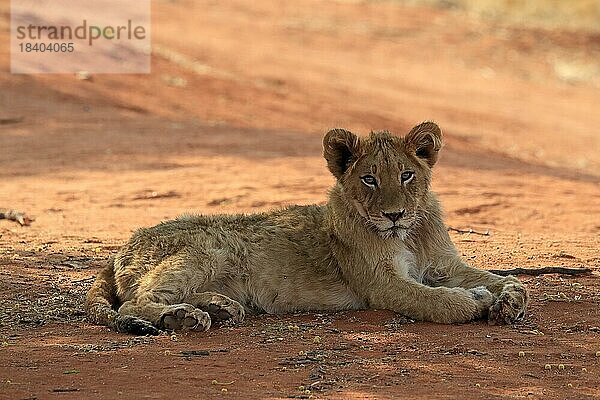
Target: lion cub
[(379, 242)]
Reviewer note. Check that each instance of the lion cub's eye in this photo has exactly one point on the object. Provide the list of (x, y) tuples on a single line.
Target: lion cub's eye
[(369, 180), (407, 176)]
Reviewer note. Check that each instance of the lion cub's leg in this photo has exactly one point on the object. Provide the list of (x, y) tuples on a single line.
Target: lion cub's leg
[(218, 306), (511, 295), (425, 303), (161, 295)]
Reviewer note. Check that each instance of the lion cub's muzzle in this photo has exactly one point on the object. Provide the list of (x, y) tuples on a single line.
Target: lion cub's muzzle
[(395, 223)]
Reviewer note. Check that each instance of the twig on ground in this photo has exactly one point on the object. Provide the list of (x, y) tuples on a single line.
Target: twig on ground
[(469, 231), (215, 382), (541, 271), (11, 120), (84, 280), (194, 353), (16, 216), (156, 195)]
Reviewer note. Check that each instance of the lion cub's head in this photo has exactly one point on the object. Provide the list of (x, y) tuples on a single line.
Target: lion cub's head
[(386, 178)]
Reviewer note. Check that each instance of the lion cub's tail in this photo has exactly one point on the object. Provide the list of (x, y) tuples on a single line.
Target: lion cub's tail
[(100, 306)]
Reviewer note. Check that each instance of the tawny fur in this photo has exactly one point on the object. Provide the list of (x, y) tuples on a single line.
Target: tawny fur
[(382, 245)]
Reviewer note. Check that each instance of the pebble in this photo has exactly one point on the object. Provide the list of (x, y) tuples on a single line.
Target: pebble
[(83, 75)]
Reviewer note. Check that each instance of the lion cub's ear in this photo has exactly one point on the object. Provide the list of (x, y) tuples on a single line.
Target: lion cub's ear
[(340, 149), (425, 141)]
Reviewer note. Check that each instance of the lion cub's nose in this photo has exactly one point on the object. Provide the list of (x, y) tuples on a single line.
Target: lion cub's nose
[(394, 216)]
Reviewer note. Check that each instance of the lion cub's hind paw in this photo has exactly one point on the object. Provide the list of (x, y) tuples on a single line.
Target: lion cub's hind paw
[(222, 309), (184, 317)]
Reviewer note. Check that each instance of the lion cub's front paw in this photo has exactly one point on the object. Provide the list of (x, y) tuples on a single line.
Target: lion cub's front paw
[(484, 299), (462, 305), (184, 317), (510, 306), (222, 308)]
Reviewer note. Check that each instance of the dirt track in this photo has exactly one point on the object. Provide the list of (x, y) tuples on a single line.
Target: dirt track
[(231, 120)]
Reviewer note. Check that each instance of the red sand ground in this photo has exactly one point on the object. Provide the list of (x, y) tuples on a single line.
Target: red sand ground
[(233, 123)]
